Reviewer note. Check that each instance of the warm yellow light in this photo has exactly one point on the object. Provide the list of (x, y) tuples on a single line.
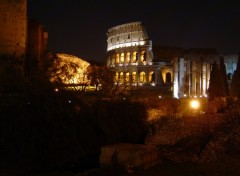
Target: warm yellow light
[(76, 72), (195, 104)]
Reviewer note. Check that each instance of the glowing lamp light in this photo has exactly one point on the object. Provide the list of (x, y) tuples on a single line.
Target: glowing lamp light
[(195, 104)]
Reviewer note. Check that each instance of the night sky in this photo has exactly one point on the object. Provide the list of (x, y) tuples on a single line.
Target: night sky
[(79, 27)]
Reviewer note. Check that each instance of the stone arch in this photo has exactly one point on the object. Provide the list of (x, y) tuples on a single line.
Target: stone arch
[(142, 77), (113, 59), (168, 78), (117, 58), (151, 77), (143, 56), (122, 58), (128, 58), (135, 56), (134, 77), (121, 77), (117, 76), (127, 77)]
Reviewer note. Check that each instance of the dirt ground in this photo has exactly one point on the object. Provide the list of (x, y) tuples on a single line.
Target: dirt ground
[(224, 167), (229, 166)]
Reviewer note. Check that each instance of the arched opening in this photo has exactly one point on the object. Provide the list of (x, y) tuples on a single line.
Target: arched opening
[(122, 58), (135, 57), (143, 56), (121, 77), (127, 78), (113, 59), (117, 77), (117, 58), (168, 78), (128, 57), (134, 77), (142, 77), (151, 77)]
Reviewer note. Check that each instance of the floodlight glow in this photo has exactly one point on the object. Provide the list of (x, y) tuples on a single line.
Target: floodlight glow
[(195, 104)]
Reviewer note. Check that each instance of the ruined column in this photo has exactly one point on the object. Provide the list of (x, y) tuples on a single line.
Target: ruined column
[(188, 77), (198, 78), (181, 77), (175, 77), (204, 78), (193, 82)]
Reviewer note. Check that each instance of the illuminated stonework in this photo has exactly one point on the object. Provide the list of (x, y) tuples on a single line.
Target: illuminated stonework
[(13, 30), (68, 63), (129, 54), (192, 73), (127, 35), (185, 72)]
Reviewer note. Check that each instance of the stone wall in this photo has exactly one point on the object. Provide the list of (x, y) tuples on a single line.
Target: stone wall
[(13, 33)]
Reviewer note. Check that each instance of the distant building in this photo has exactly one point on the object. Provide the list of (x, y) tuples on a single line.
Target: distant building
[(186, 72), (129, 53), (20, 37), (36, 46), (13, 30)]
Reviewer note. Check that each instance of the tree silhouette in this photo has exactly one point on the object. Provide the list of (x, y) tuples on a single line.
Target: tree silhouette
[(11, 74), (216, 85), (235, 84), (224, 76), (102, 77)]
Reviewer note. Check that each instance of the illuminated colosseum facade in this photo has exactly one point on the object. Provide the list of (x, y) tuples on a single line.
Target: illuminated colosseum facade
[(184, 72), (129, 53)]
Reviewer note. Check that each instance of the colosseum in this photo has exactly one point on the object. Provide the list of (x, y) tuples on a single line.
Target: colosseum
[(129, 52), (186, 72)]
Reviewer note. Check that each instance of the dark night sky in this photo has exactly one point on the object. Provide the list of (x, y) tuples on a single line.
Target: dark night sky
[(79, 27)]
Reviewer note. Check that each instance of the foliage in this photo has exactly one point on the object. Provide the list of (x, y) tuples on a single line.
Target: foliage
[(63, 72), (216, 84), (68, 71), (235, 84), (224, 75), (102, 77)]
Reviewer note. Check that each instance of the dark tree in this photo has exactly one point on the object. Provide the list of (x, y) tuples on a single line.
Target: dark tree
[(11, 74), (224, 76), (235, 84), (94, 75), (102, 77), (216, 85)]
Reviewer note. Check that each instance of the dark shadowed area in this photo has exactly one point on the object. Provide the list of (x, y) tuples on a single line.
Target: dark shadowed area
[(80, 28)]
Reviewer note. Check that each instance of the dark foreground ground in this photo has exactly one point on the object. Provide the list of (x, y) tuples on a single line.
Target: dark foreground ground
[(228, 166), (225, 167)]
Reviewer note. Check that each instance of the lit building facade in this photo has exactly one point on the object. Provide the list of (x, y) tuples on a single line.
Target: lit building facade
[(191, 73), (185, 72), (129, 54)]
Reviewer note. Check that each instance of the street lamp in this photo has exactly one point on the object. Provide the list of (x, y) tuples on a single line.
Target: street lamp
[(194, 104)]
